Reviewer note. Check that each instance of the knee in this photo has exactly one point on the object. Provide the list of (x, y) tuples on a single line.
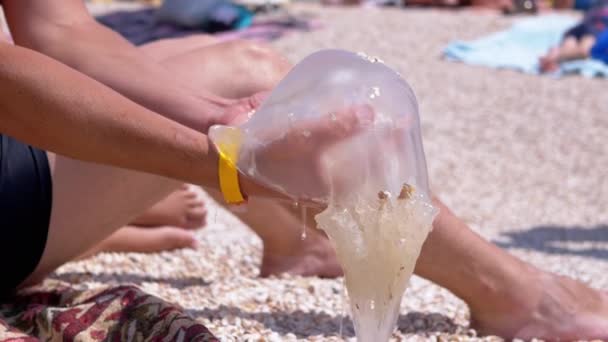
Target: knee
[(263, 54), (265, 64)]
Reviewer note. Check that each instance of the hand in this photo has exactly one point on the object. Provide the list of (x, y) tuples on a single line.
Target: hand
[(290, 163), (237, 112)]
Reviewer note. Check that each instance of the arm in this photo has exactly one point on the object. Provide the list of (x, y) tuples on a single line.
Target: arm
[(67, 33), (599, 50), (49, 105)]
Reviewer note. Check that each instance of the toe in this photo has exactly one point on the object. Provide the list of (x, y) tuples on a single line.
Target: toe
[(196, 217), (176, 238), (145, 240), (196, 203), (190, 194)]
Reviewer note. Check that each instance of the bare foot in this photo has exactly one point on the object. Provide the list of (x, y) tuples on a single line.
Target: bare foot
[(555, 308), (162, 227), (145, 240), (313, 256), (182, 208)]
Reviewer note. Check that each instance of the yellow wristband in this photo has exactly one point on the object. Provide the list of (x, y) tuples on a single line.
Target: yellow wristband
[(228, 150)]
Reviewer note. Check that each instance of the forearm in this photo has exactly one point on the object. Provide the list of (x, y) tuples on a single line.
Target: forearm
[(51, 106), (105, 56)]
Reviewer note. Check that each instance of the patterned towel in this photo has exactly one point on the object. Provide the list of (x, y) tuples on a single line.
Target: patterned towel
[(58, 311)]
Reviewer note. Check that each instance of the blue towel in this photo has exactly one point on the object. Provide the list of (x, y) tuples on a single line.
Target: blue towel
[(522, 45)]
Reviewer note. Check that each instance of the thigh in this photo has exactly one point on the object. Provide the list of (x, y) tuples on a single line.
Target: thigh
[(570, 43), (587, 43), (166, 48), (232, 69), (91, 201), (25, 207)]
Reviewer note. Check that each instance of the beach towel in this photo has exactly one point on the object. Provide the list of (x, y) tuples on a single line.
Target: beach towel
[(141, 26), (60, 311), (521, 46)]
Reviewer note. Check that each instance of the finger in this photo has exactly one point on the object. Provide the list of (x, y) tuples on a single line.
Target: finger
[(338, 126), (400, 129), (256, 100), (241, 111), (250, 104)]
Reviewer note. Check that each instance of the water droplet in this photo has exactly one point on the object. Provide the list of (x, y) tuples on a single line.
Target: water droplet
[(290, 119), (362, 54), (303, 236), (306, 134), (372, 304), (370, 59), (344, 303), (333, 117), (375, 92)]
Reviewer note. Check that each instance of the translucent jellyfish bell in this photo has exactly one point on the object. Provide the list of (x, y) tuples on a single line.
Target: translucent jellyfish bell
[(374, 181), (382, 157)]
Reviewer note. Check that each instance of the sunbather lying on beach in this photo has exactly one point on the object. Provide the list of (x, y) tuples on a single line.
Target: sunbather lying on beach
[(587, 39), (505, 6), (81, 91)]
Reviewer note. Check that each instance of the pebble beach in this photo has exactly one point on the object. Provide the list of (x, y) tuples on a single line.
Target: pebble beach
[(521, 158)]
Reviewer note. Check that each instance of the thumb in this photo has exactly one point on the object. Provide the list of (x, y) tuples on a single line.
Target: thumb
[(242, 109)]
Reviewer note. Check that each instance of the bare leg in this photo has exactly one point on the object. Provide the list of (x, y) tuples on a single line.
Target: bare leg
[(168, 48), (161, 227), (295, 247), (182, 208), (284, 249), (144, 240), (256, 67), (90, 202), (508, 297), (569, 49)]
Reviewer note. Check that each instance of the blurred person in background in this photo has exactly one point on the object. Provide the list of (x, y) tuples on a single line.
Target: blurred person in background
[(588, 39)]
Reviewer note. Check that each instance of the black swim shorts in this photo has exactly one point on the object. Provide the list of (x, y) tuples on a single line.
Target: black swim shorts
[(25, 210)]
